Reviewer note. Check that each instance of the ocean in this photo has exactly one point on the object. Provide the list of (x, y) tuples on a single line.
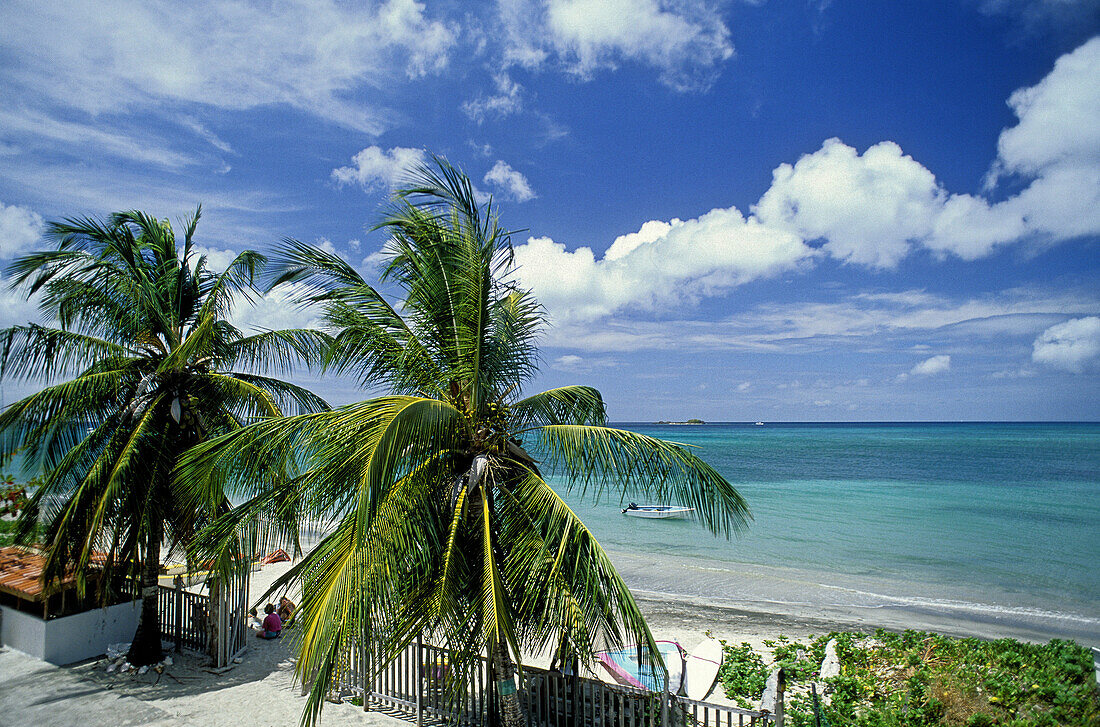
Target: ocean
[(989, 528)]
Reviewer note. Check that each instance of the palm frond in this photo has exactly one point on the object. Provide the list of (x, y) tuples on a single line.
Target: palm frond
[(563, 405), (34, 351), (633, 463)]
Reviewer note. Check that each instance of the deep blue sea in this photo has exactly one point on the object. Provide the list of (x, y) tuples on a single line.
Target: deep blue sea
[(994, 526)]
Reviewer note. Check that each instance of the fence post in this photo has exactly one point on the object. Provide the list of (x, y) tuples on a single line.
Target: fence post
[(418, 672), (664, 698), (177, 583), (781, 687)]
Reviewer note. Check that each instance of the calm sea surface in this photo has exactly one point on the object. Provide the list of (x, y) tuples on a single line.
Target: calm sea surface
[(980, 522)]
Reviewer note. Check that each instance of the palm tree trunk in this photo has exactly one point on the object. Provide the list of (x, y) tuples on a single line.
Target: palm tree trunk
[(511, 711), (145, 648)]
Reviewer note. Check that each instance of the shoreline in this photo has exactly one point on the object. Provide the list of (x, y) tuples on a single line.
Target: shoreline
[(761, 601)]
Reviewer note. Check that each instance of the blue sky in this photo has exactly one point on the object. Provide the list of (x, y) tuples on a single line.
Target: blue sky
[(774, 210)]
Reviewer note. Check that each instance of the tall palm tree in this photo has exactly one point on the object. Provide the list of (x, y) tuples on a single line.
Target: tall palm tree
[(445, 522), (146, 359)]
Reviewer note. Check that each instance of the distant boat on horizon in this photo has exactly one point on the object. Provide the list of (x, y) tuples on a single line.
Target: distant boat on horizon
[(759, 424)]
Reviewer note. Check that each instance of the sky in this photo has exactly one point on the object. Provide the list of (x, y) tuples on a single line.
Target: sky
[(777, 210)]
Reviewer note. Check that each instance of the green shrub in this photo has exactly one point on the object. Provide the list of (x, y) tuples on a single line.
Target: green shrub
[(743, 675)]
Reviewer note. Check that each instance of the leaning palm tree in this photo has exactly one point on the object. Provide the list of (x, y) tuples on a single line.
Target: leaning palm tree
[(139, 366), (444, 521)]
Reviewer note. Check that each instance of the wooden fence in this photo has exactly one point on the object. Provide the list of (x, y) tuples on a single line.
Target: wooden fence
[(189, 620), (415, 684)]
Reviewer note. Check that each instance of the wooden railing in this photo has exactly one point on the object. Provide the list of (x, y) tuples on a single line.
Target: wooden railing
[(183, 617), (415, 684), (189, 618)]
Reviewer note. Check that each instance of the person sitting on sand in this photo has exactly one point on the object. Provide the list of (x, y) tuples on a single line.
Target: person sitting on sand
[(272, 625), (286, 608)]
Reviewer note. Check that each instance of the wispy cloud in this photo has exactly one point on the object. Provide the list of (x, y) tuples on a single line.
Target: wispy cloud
[(307, 54), (686, 42)]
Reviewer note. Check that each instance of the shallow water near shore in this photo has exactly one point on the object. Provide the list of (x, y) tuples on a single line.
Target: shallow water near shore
[(989, 529)]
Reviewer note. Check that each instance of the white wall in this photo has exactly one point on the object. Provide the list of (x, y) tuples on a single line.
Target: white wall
[(72, 638), (22, 631)]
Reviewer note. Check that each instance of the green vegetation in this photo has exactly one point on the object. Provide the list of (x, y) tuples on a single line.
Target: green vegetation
[(918, 679), (445, 521), (139, 363), (743, 674)]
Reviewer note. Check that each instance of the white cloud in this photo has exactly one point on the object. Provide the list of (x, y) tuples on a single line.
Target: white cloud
[(569, 361), (685, 41), (866, 207), (141, 147), (744, 386), (1057, 117), (304, 53), (376, 169), (932, 366), (855, 322), (513, 184), (20, 230), (661, 265), (874, 208), (507, 100), (217, 259), (1071, 346)]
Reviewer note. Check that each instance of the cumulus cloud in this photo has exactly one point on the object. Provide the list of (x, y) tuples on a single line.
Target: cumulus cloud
[(20, 230), (377, 170), (875, 208), (932, 366), (511, 183), (871, 209), (660, 265), (686, 42), (866, 207), (307, 54), (1071, 346)]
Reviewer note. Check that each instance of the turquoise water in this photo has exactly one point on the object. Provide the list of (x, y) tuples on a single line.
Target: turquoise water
[(991, 523)]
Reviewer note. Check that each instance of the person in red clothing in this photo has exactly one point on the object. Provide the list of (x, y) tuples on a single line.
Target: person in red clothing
[(272, 624)]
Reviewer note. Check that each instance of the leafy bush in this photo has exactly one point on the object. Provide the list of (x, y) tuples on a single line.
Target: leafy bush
[(742, 674), (918, 679)]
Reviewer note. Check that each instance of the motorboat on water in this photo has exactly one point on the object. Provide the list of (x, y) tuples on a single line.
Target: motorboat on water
[(658, 511)]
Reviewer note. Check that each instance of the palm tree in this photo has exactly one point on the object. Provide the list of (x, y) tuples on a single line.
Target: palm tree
[(145, 359), (445, 522)]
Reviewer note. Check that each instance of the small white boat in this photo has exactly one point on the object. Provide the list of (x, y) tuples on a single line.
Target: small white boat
[(658, 511), (759, 424)]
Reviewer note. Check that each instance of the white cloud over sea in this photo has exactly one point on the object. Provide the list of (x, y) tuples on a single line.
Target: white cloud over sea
[(1071, 346), (873, 210)]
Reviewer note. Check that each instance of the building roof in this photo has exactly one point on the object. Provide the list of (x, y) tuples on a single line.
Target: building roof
[(21, 574)]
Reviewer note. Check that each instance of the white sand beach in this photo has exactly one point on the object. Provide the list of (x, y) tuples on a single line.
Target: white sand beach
[(259, 691)]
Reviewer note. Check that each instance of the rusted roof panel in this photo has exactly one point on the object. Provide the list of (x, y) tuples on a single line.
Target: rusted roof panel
[(21, 573)]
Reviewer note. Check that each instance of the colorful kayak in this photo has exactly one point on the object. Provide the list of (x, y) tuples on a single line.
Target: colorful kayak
[(624, 668)]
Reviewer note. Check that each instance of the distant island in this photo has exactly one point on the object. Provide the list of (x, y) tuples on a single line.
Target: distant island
[(689, 421)]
